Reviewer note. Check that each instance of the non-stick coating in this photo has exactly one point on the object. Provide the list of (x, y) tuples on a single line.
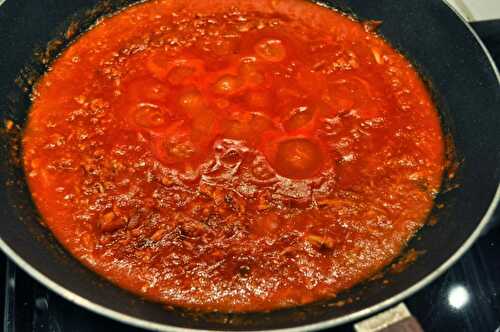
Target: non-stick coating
[(442, 47)]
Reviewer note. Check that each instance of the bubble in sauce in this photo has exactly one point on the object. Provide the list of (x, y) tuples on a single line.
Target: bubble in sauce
[(298, 158), (191, 100), (299, 118), (227, 85), (271, 49), (149, 115)]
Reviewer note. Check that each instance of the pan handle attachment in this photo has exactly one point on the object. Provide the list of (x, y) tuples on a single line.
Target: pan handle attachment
[(396, 319)]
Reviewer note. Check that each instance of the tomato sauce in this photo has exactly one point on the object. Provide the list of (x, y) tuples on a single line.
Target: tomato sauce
[(233, 155)]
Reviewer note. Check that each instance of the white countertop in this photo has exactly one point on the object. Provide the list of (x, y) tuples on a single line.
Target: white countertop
[(477, 10)]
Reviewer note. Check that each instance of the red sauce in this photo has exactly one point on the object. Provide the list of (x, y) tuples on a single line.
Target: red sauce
[(233, 155)]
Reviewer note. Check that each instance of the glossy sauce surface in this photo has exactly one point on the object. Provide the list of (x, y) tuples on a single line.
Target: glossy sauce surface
[(233, 155)]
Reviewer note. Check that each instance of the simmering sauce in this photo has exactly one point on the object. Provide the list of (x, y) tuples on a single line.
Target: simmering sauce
[(233, 155)]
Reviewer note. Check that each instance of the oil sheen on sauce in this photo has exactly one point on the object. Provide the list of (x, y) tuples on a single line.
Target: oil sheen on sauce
[(233, 155)]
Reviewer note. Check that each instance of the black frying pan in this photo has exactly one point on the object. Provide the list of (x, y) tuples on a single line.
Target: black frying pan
[(445, 50)]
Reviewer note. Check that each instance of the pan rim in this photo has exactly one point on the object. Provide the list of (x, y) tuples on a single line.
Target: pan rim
[(141, 323)]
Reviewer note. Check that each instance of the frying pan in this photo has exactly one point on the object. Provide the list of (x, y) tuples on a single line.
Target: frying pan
[(466, 89)]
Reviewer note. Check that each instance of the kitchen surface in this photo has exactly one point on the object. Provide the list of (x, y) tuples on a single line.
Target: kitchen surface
[(477, 10), (465, 298)]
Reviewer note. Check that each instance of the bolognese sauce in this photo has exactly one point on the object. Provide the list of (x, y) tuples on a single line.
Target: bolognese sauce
[(233, 155)]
